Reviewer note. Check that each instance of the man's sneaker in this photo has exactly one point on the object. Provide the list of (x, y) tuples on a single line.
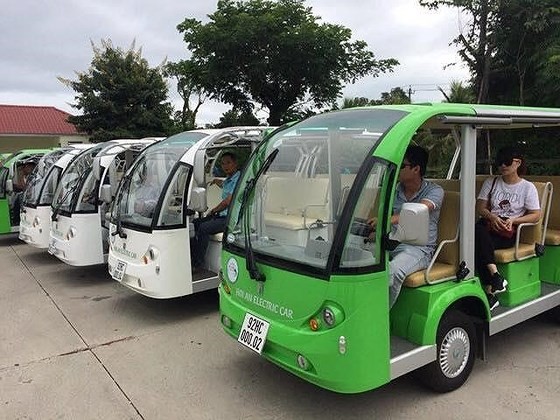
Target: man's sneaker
[(493, 301), (498, 283)]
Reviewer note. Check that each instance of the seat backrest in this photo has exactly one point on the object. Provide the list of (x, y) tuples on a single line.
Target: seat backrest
[(447, 184), (554, 216), (447, 228), (533, 234), (291, 196)]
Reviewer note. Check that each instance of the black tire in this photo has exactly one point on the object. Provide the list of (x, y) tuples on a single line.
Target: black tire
[(456, 348), (555, 314)]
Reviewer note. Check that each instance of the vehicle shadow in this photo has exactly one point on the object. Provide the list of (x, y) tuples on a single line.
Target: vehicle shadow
[(9, 239)]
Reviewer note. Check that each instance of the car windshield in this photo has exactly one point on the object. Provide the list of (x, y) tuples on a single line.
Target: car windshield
[(139, 194), (291, 209), (39, 177), (4, 172), (73, 178)]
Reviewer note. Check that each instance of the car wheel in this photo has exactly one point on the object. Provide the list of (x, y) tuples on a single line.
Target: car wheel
[(456, 347)]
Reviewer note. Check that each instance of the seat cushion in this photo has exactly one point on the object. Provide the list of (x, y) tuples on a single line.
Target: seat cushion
[(552, 237), (285, 221), (439, 271), (508, 254)]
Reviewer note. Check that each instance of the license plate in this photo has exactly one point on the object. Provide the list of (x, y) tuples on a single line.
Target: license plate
[(253, 333), (118, 272)]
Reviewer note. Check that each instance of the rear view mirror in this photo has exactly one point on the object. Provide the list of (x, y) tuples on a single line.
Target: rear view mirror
[(198, 200), (105, 194), (413, 227)]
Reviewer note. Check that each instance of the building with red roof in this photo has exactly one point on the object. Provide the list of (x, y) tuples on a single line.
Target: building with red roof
[(30, 127)]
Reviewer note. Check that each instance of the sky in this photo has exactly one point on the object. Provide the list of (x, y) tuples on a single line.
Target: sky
[(43, 39)]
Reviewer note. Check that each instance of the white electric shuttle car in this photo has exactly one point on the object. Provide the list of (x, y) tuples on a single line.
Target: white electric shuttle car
[(35, 213), (78, 233), (149, 249)]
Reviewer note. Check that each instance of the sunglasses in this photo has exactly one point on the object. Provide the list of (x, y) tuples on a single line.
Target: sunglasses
[(404, 165), (507, 161)]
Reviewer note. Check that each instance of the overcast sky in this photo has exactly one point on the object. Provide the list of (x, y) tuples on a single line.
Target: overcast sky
[(43, 39)]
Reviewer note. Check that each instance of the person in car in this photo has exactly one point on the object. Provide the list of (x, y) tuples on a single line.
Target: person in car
[(215, 221), (503, 203)]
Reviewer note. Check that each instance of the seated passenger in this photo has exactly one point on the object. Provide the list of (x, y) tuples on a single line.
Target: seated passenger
[(406, 259), (503, 203), (216, 220)]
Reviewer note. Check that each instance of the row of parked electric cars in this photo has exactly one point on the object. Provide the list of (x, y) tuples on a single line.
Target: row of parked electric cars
[(128, 202)]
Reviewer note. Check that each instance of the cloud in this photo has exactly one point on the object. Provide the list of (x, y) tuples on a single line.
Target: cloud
[(42, 40)]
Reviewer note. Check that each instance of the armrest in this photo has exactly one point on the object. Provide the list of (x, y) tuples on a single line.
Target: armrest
[(304, 213), (434, 258)]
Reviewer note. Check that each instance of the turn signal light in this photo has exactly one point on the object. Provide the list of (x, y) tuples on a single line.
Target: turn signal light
[(226, 288), (313, 324)]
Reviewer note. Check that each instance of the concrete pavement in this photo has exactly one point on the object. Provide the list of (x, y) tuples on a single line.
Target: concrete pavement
[(75, 344)]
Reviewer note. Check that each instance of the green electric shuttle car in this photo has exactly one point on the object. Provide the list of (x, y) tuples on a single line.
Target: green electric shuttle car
[(304, 279), (11, 175)]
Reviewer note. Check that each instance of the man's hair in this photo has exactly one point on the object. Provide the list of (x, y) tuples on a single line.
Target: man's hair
[(417, 155), (231, 156)]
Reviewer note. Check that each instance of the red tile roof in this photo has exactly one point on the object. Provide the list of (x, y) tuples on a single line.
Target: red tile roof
[(23, 119)]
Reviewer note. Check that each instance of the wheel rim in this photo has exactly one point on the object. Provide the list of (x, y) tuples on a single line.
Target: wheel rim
[(454, 352)]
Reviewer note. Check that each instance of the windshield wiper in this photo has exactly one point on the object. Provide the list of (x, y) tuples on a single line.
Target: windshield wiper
[(250, 263), (71, 189), (125, 184)]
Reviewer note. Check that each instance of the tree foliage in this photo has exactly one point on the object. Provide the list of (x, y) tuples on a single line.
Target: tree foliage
[(395, 97), (458, 93), (120, 96), (276, 54), (527, 67), (235, 118), (185, 119), (477, 44)]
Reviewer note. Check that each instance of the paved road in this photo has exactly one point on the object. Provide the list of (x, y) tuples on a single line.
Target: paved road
[(76, 345)]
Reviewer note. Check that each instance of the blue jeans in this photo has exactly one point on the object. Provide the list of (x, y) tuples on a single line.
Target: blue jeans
[(204, 227), (405, 259)]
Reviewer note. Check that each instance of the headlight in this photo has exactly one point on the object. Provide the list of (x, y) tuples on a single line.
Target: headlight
[(328, 317), (71, 233)]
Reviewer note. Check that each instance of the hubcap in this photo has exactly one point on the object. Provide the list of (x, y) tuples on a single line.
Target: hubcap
[(454, 352)]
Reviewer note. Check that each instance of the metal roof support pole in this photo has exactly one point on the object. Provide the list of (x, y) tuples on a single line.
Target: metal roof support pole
[(467, 198)]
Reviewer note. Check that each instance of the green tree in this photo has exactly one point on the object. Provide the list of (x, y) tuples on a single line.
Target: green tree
[(353, 102), (395, 97), (477, 44), (235, 117), (188, 90), (458, 93), (120, 96), (275, 54), (526, 71)]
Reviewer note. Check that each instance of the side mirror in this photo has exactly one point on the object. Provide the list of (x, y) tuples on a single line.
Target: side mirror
[(96, 168), (9, 185), (105, 194), (198, 200), (414, 224)]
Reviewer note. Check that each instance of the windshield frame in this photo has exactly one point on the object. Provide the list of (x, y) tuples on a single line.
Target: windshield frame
[(332, 265), (116, 217), (70, 209)]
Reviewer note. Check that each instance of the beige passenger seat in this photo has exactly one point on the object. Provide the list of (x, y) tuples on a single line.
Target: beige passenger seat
[(552, 234), (445, 262), (294, 203), (529, 234)]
